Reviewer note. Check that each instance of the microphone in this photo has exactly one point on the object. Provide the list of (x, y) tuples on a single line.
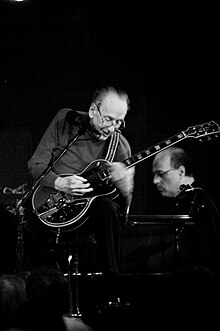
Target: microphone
[(74, 118)]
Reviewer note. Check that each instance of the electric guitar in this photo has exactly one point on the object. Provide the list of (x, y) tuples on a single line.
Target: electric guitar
[(64, 211)]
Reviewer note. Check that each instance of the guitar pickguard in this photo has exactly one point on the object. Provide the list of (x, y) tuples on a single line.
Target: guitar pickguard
[(60, 210)]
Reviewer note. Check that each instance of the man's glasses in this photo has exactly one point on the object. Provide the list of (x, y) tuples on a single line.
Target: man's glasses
[(108, 121), (161, 173)]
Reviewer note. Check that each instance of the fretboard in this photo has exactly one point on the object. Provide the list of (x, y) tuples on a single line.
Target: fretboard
[(144, 154)]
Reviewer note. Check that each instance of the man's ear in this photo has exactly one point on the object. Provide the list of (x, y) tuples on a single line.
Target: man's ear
[(182, 170), (92, 109)]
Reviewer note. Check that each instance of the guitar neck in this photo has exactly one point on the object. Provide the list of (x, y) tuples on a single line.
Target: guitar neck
[(144, 154)]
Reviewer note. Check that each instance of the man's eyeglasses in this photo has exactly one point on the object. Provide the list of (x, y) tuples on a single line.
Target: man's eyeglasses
[(106, 120), (161, 173)]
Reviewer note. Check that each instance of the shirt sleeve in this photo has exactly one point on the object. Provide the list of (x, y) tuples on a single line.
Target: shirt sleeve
[(45, 150)]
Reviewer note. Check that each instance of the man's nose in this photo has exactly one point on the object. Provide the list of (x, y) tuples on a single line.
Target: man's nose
[(156, 179), (111, 128)]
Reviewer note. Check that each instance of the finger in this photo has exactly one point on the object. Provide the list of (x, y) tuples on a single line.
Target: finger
[(76, 191), (82, 179), (80, 186)]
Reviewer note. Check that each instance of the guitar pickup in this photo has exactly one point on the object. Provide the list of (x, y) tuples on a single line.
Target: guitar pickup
[(104, 174)]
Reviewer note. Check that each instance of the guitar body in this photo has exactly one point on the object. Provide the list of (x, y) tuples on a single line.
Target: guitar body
[(61, 210)]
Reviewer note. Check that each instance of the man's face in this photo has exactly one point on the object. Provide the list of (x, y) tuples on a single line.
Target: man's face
[(109, 115), (166, 178)]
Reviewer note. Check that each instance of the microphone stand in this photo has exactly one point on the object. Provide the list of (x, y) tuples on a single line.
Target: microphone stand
[(74, 311), (19, 208)]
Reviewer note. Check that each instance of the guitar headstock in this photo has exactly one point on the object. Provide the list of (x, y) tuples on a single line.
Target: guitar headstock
[(206, 130)]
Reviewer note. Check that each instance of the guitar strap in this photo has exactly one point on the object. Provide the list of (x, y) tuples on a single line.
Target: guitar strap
[(112, 146)]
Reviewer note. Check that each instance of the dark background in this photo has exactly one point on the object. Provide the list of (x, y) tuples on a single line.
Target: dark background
[(54, 54)]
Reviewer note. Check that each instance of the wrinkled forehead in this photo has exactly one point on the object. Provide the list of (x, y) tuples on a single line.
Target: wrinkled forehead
[(112, 104)]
